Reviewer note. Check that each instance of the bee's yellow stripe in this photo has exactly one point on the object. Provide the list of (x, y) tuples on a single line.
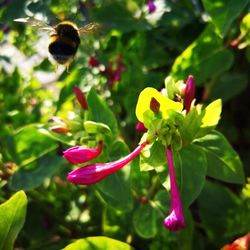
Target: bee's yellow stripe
[(56, 38)]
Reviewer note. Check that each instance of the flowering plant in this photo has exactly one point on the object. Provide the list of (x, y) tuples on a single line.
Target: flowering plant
[(124, 155), (175, 131)]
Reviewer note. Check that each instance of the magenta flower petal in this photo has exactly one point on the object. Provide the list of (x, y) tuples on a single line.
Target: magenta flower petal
[(175, 220), (189, 93), (151, 6), (80, 154), (81, 97), (93, 173), (140, 127)]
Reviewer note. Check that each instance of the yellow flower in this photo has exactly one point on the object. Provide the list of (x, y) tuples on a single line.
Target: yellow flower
[(144, 100)]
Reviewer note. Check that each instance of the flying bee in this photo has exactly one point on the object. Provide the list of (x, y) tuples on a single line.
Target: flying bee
[(64, 37)]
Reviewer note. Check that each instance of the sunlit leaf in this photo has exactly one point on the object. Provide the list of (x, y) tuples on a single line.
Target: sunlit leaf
[(223, 162), (98, 243), (224, 12), (12, 218), (196, 60), (100, 112), (212, 114)]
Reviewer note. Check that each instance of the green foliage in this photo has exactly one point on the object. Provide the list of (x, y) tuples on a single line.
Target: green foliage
[(224, 12), (203, 65), (12, 214), (97, 243), (120, 197), (223, 162), (40, 117)]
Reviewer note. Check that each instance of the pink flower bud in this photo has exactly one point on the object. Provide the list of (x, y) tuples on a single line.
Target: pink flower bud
[(93, 173), (79, 154), (81, 98), (93, 62), (175, 220), (151, 6), (140, 127), (59, 129), (189, 93)]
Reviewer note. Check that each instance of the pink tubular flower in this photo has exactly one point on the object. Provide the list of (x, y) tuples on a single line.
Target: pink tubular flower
[(175, 220), (93, 173), (189, 93), (81, 97), (140, 127), (151, 6), (79, 154), (60, 129)]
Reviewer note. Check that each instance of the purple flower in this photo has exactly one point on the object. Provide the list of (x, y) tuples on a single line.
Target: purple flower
[(189, 93), (151, 6), (81, 98), (93, 173), (80, 154), (175, 220)]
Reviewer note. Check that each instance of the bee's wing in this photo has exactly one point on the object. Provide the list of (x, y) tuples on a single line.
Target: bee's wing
[(91, 27), (35, 23)]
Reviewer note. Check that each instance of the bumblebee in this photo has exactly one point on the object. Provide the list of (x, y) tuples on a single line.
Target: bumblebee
[(64, 37)]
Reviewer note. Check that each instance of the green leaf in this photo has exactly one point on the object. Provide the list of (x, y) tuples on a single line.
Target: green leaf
[(115, 190), (190, 171), (35, 173), (212, 114), (122, 17), (245, 24), (228, 86), (223, 162), (98, 243), (100, 112), (15, 10), (244, 29), (144, 220), (218, 208), (67, 90), (196, 60), (30, 144), (94, 127), (153, 156), (12, 218), (224, 12), (191, 125)]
